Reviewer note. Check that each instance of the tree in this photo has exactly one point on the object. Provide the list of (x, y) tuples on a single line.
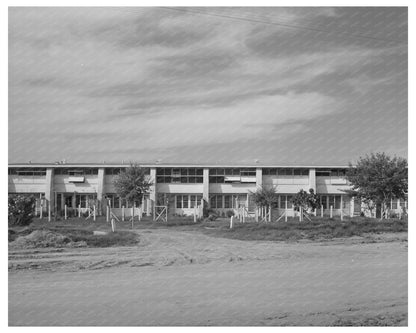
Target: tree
[(305, 200), (377, 179), (266, 197), (20, 209), (132, 184)]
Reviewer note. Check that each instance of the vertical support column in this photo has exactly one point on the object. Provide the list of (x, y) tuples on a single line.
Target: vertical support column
[(100, 189), (352, 207), (205, 190), (152, 188), (49, 195), (312, 179), (259, 177)]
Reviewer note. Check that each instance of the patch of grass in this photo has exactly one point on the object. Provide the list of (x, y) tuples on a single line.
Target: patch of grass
[(117, 238), (316, 229)]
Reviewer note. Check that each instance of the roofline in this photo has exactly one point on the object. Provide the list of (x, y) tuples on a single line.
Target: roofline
[(170, 165)]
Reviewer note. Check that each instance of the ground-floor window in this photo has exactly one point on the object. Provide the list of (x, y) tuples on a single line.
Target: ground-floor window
[(227, 201), (187, 200), (332, 200), (283, 199), (81, 199), (114, 200)]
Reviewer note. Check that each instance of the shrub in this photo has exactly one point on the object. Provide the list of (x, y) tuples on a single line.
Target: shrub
[(212, 217), (21, 209), (230, 213)]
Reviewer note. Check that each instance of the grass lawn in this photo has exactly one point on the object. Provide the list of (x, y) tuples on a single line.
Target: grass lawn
[(79, 229), (318, 228)]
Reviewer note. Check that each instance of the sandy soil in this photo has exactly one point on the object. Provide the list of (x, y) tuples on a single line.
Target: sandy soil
[(186, 278)]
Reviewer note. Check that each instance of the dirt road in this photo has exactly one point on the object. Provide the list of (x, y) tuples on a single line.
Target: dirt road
[(185, 278)]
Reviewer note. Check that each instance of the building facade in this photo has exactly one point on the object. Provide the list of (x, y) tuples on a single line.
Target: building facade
[(182, 187)]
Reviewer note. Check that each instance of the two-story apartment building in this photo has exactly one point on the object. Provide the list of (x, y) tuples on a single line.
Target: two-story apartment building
[(182, 187)]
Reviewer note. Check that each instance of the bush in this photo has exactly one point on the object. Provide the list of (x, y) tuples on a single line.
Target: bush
[(230, 213), (212, 217), (21, 209)]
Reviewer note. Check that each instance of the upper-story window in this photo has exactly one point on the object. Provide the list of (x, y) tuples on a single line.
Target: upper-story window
[(112, 171), (76, 171), (340, 173), (286, 172), (230, 175), (179, 175), (27, 171)]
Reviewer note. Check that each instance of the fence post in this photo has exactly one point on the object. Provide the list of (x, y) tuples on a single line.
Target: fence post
[(286, 211), (49, 211), (113, 227), (342, 214), (66, 212), (300, 214), (41, 209), (79, 210), (330, 212), (195, 214), (322, 210), (107, 214), (122, 213), (94, 212), (132, 215), (231, 222)]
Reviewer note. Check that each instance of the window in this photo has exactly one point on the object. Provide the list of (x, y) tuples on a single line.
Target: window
[(178, 201), (282, 201), (323, 173), (338, 173), (324, 201), (27, 171), (285, 172), (192, 200), (393, 204), (337, 202), (216, 201), (334, 201), (227, 201), (81, 199), (76, 172), (185, 201), (179, 175), (115, 200), (270, 171), (300, 172)]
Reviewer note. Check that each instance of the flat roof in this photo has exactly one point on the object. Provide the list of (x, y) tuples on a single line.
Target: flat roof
[(170, 165)]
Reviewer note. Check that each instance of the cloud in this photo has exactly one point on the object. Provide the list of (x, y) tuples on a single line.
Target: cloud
[(166, 79)]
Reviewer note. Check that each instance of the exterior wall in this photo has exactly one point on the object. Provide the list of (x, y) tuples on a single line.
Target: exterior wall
[(287, 184), (90, 185), (26, 184), (332, 185), (108, 184), (180, 188), (231, 188)]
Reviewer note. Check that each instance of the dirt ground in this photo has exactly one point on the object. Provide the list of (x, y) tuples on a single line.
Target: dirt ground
[(186, 278)]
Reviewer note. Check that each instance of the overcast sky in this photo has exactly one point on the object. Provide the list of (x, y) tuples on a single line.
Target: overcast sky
[(284, 86)]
